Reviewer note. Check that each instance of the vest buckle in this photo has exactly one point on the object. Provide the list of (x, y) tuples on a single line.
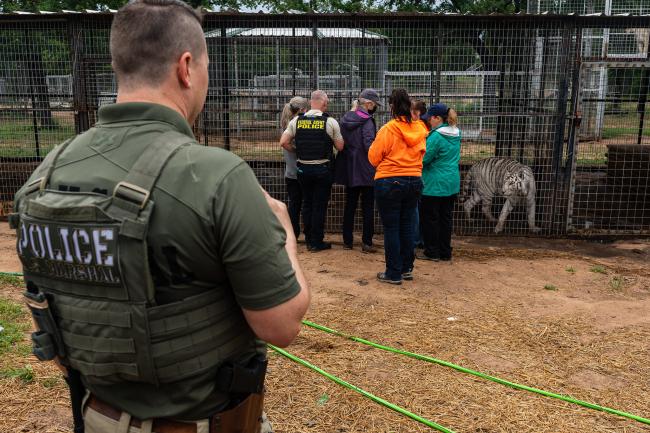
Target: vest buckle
[(132, 193)]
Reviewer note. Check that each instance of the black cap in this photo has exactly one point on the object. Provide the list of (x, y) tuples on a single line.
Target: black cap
[(370, 95)]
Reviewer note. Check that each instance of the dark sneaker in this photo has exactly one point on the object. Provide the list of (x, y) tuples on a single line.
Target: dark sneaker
[(445, 259), (320, 247), (347, 246), (407, 276), (368, 249), (423, 256), (381, 276)]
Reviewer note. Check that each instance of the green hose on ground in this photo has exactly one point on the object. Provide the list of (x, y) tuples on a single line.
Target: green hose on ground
[(433, 361), (365, 393), (12, 274), (479, 374)]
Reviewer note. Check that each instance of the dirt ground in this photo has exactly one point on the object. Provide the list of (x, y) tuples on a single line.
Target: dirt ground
[(566, 316)]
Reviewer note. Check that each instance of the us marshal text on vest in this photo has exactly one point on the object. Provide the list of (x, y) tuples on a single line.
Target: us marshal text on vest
[(73, 253)]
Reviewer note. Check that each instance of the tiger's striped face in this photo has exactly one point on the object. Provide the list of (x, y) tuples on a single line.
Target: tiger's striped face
[(514, 185)]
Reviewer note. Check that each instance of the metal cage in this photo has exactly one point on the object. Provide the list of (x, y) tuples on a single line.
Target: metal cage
[(563, 95)]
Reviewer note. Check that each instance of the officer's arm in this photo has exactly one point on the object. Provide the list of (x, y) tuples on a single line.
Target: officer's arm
[(281, 324), (259, 252), (288, 135), (334, 131), (285, 141)]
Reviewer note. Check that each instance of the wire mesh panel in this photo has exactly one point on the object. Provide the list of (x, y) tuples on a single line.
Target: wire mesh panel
[(637, 7), (36, 110), (520, 85), (504, 84), (514, 117), (612, 187)]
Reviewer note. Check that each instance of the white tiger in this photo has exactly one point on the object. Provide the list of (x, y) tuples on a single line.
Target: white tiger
[(500, 176)]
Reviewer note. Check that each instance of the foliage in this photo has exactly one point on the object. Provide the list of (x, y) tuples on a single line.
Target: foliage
[(25, 374), (15, 321), (470, 6), (12, 280), (550, 287), (598, 269), (57, 5), (617, 283)]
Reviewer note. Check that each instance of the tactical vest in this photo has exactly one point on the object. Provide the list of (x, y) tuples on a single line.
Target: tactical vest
[(90, 290), (312, 141)]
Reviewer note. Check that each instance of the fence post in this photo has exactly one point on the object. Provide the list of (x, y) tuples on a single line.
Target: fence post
[(30, 66), (363, 67), (81, 121), (570, 168), (314, 56), (500, 139), (437, 62), (225, 87), (293, 60), (563, 94), (643, 98)]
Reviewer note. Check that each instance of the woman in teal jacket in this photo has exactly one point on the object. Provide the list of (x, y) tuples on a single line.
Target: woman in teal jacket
[(441, 178)]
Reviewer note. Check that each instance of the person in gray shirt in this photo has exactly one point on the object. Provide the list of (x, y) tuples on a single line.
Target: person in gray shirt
[(296, 106)]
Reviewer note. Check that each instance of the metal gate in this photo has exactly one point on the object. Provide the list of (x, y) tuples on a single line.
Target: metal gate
[(609, 188)]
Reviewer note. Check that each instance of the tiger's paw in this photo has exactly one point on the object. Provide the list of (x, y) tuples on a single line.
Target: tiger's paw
[(498, 229)]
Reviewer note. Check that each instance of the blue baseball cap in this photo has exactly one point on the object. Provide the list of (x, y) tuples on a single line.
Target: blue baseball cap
[(438, 109)]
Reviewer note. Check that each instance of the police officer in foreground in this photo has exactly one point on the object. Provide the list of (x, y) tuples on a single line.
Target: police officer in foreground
[(315, 135), (156, 267)]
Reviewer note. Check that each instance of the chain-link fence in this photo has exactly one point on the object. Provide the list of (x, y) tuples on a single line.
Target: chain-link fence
[(562, 95)]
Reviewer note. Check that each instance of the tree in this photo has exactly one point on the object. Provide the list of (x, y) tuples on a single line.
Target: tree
[(58, 5), (462, 6)]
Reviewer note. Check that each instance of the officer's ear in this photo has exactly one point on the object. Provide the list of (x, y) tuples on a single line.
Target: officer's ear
[(183, 69)]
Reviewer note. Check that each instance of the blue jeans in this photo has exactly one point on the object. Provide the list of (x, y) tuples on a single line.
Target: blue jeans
[(397, 199), (316, 185), (417, 227)]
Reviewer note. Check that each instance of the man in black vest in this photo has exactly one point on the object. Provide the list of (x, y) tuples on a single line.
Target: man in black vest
[(315, 134)]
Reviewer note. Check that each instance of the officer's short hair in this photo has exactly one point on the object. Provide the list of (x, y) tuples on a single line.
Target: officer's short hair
[(148, 36), (319, 95)]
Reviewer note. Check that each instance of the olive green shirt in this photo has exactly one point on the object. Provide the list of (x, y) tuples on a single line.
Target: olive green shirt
[(211, 229)]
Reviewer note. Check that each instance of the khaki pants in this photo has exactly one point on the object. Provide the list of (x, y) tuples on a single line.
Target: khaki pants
[(96, 422)]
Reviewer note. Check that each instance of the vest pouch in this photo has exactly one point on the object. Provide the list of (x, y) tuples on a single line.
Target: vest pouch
[(47, 339), (43, 346), (197, 334), (107, 342)]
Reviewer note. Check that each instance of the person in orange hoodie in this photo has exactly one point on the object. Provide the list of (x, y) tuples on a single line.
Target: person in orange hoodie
[(397, 154)]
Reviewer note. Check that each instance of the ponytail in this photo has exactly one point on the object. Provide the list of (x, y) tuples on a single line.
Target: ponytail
[(286, 116), (292, 108), (452, 117), (355, 105)]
